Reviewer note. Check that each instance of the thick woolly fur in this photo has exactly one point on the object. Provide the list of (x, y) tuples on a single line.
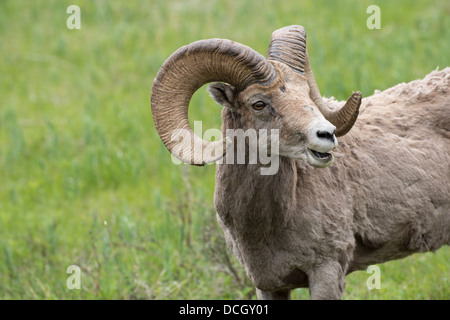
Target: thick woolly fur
[(385, 196)]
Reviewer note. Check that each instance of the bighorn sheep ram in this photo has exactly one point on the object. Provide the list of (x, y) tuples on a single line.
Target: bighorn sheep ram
[(386, 195)]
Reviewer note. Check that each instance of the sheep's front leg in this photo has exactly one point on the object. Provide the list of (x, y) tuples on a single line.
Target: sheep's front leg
[(326, 282), (273, 295)]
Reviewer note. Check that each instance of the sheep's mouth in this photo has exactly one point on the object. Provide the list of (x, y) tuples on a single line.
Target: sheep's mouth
[(319, 159), (320, 155)]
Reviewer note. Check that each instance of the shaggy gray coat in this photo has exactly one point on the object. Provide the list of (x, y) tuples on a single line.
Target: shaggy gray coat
[(386, 196)]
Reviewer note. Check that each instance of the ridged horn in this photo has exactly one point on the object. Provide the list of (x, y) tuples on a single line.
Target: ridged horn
[(288, 45), (183, 73), (345, 117)]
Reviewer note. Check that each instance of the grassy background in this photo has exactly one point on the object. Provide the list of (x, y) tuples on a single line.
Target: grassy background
[(85, 180)]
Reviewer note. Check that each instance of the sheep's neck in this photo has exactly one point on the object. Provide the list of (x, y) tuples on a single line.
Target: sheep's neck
[(248, 200), (251, 201)]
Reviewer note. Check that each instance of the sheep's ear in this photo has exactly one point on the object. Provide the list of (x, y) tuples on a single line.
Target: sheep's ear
[(223, 93)]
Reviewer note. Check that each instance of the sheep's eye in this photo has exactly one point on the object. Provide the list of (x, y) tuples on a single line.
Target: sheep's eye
[(259, 105)]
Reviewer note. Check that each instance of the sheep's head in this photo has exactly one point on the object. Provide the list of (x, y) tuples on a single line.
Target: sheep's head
[(279, 92)]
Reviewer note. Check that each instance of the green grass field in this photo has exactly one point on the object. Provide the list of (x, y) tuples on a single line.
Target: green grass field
[(86, 181)]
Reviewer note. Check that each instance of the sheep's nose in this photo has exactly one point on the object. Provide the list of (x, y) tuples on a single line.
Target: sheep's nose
[(327, 135)]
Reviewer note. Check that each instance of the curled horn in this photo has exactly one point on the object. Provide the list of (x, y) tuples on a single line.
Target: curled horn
[(288, 45), (187, 70)]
